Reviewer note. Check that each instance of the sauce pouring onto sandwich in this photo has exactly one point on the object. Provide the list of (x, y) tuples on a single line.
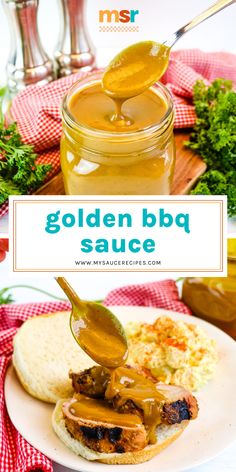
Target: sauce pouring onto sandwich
[(118, 414)]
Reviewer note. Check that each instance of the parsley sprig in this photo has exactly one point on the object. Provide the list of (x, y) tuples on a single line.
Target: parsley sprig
[(214, 138), (19, 171)]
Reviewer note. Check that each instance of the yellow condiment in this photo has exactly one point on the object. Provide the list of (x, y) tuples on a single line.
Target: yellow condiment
[(93, 108), (99, 410), (125, 385), (118, 132), (135, 69), (101, 156), (96, 329), (214, 298), (131, 73)]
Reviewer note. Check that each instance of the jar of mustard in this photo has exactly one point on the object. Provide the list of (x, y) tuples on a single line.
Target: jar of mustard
[(214, 299), (103, 156)]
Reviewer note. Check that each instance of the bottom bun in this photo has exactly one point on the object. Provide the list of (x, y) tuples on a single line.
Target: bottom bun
[(166, 434)]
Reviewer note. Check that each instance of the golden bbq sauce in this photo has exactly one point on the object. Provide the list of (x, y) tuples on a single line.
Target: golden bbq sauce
[(214, 298), (135, 69), (125, 385), (100, 411), (96, 329), (112, 146), (92, 107)]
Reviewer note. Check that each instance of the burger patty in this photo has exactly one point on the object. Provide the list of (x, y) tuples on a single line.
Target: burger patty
[(180, 404), (104, 437)]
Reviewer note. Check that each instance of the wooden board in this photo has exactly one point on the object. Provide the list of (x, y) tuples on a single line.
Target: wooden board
[(189, 167)]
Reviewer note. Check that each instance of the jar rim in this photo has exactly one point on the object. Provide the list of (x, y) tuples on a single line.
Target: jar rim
[(231, 258), (96, 133)]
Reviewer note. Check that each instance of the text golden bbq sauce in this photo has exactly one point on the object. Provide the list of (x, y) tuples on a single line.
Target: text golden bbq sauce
[(125, 384), (93, 108)]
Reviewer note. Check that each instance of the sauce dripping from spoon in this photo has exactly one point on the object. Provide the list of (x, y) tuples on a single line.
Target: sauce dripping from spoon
[(133, 71), (98, 332)]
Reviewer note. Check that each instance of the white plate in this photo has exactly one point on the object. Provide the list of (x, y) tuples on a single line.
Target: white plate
[(204, 438)]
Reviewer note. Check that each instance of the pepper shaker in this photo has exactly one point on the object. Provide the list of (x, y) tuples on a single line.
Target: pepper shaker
[(28, 62), (74, 50)]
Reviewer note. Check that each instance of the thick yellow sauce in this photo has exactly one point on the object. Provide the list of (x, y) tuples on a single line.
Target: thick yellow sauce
[(100, 411), (98, 333), (96, 329), (124, 385), (101, 335), (214, 298), (93, 108), (122, 102), (135, 69), (129, 385), (107, 165)]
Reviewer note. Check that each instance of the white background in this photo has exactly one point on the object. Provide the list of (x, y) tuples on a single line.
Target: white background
[(159, 19)]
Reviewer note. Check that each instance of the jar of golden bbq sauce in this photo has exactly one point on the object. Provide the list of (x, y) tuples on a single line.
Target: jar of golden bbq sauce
[(214, 299), (102, 157)]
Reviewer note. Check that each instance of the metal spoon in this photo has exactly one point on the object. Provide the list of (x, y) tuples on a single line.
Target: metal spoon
[(140, 65), (218, 6), (98, 332)]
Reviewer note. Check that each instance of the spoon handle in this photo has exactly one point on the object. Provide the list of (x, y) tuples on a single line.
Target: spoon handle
[(218, 6), (69, 291)]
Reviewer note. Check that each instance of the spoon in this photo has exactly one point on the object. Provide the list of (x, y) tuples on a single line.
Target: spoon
[(98, 332), (140, 65)]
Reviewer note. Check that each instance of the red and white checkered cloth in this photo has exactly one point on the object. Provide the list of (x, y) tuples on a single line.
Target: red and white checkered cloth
[(162, 294), (16, 455), (37, 109)]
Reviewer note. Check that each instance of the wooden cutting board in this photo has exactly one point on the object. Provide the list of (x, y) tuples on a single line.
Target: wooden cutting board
[(189, 167)]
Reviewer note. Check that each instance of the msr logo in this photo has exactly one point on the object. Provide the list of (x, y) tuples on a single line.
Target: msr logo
[(116, 16), (112, 17)]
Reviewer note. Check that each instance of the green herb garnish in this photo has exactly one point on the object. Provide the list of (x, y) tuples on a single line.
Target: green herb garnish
[(5, 299), (3, 93), (214, 138), (19, 172), (214, 182)]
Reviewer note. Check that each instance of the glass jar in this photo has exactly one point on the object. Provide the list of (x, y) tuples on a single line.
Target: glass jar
[(98, 162), (214, 299)]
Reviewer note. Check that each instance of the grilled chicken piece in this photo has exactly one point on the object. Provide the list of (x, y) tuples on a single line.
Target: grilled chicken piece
[(104, 437), (180, 404), (91, 382)]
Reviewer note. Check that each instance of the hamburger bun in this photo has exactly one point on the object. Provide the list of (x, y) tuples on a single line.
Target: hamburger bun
[(166, 434), (44, 352)]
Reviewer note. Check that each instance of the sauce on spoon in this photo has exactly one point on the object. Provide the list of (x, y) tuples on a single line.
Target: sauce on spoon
[(96, 329), (101, 336), (133, 71)]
